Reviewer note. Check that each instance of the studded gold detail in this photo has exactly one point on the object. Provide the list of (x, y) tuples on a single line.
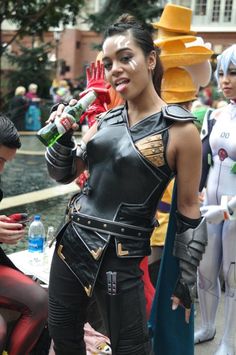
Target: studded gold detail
[(88, 290), (96, 253), (152, 149), (120, 251)]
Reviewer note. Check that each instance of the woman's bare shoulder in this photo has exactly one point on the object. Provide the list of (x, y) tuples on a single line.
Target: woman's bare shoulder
[(185, 135)]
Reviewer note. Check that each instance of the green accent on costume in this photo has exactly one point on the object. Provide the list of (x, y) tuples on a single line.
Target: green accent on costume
[(209, 159), (233, 168), (199, 114)]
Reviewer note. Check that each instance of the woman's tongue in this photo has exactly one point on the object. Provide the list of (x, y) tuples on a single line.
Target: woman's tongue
[(122, 86)]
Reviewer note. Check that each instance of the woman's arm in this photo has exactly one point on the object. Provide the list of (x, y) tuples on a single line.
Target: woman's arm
[(188, 167), (184, 154), (65, 160)]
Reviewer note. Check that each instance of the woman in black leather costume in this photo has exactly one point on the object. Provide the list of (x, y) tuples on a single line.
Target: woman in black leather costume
[(131, 154)]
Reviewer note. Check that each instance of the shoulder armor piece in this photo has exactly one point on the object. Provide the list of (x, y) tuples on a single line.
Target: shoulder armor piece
[(113, 116), (177, 113)]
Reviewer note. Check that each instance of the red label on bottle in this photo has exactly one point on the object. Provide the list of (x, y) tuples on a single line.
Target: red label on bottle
[(66, 123)]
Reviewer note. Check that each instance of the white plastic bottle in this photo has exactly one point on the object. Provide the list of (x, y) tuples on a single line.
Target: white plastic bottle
[(50, 236), (48, 251), (36, 240)]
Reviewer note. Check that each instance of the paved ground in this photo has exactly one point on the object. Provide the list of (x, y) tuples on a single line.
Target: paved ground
[(210, 347)]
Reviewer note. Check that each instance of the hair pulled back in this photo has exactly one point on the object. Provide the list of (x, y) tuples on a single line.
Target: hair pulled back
[(143, 39)]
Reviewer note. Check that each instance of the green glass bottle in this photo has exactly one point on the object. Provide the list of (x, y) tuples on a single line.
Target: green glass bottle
[(49, 134)]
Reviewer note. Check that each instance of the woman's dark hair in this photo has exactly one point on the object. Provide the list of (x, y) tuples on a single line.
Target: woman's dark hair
[(8, 133), (143, 39)]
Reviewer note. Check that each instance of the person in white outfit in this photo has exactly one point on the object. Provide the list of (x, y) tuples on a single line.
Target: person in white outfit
[(219, 148)]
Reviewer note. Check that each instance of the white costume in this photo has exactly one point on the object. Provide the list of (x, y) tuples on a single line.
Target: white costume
[(221, 249)]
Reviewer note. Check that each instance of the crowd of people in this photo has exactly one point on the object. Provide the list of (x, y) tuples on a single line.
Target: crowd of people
[(154, 219), (24, 109)]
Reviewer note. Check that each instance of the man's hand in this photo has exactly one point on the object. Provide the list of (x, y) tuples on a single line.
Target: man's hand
[(10, 233)]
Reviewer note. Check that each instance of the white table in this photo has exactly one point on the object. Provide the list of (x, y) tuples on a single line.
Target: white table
[(41, 272)]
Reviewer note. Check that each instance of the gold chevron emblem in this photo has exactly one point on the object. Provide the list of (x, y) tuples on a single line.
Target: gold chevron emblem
[(88, 290), (96, 253), (121, 252), (59, 252)]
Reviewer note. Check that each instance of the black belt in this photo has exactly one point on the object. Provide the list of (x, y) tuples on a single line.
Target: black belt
[(111, 227)]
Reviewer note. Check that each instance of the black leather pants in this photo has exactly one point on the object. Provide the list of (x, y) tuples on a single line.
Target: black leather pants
[(124, 316)]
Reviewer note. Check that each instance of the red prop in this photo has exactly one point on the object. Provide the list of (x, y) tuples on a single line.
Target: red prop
[(19, 218), (96, 82)]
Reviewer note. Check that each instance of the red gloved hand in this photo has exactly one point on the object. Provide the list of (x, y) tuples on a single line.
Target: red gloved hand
[(91, 113), (82, 178), (96, 81)]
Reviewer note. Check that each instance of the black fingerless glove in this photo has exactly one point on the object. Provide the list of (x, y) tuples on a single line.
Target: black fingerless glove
[(189, 246)]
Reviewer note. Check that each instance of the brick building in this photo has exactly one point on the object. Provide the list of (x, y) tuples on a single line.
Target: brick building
[(214, 20)]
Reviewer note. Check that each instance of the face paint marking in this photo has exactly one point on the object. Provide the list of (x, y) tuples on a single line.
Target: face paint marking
[(119, 41), (133, 64)]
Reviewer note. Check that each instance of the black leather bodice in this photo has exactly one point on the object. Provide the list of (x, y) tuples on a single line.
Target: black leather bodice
[(128, 174), (123, 184)]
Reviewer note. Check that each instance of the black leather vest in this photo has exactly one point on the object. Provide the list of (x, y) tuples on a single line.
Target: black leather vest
[(128, 175)]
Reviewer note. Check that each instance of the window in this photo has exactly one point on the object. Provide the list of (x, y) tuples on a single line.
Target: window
[(216, 11), (200, 7), (186, 3), (228, 10)]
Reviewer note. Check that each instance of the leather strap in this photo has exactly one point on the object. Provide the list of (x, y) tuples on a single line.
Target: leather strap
[(111, 227)]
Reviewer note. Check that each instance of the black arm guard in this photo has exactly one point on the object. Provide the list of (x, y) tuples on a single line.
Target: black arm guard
[(189, 246), (61, 161)]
